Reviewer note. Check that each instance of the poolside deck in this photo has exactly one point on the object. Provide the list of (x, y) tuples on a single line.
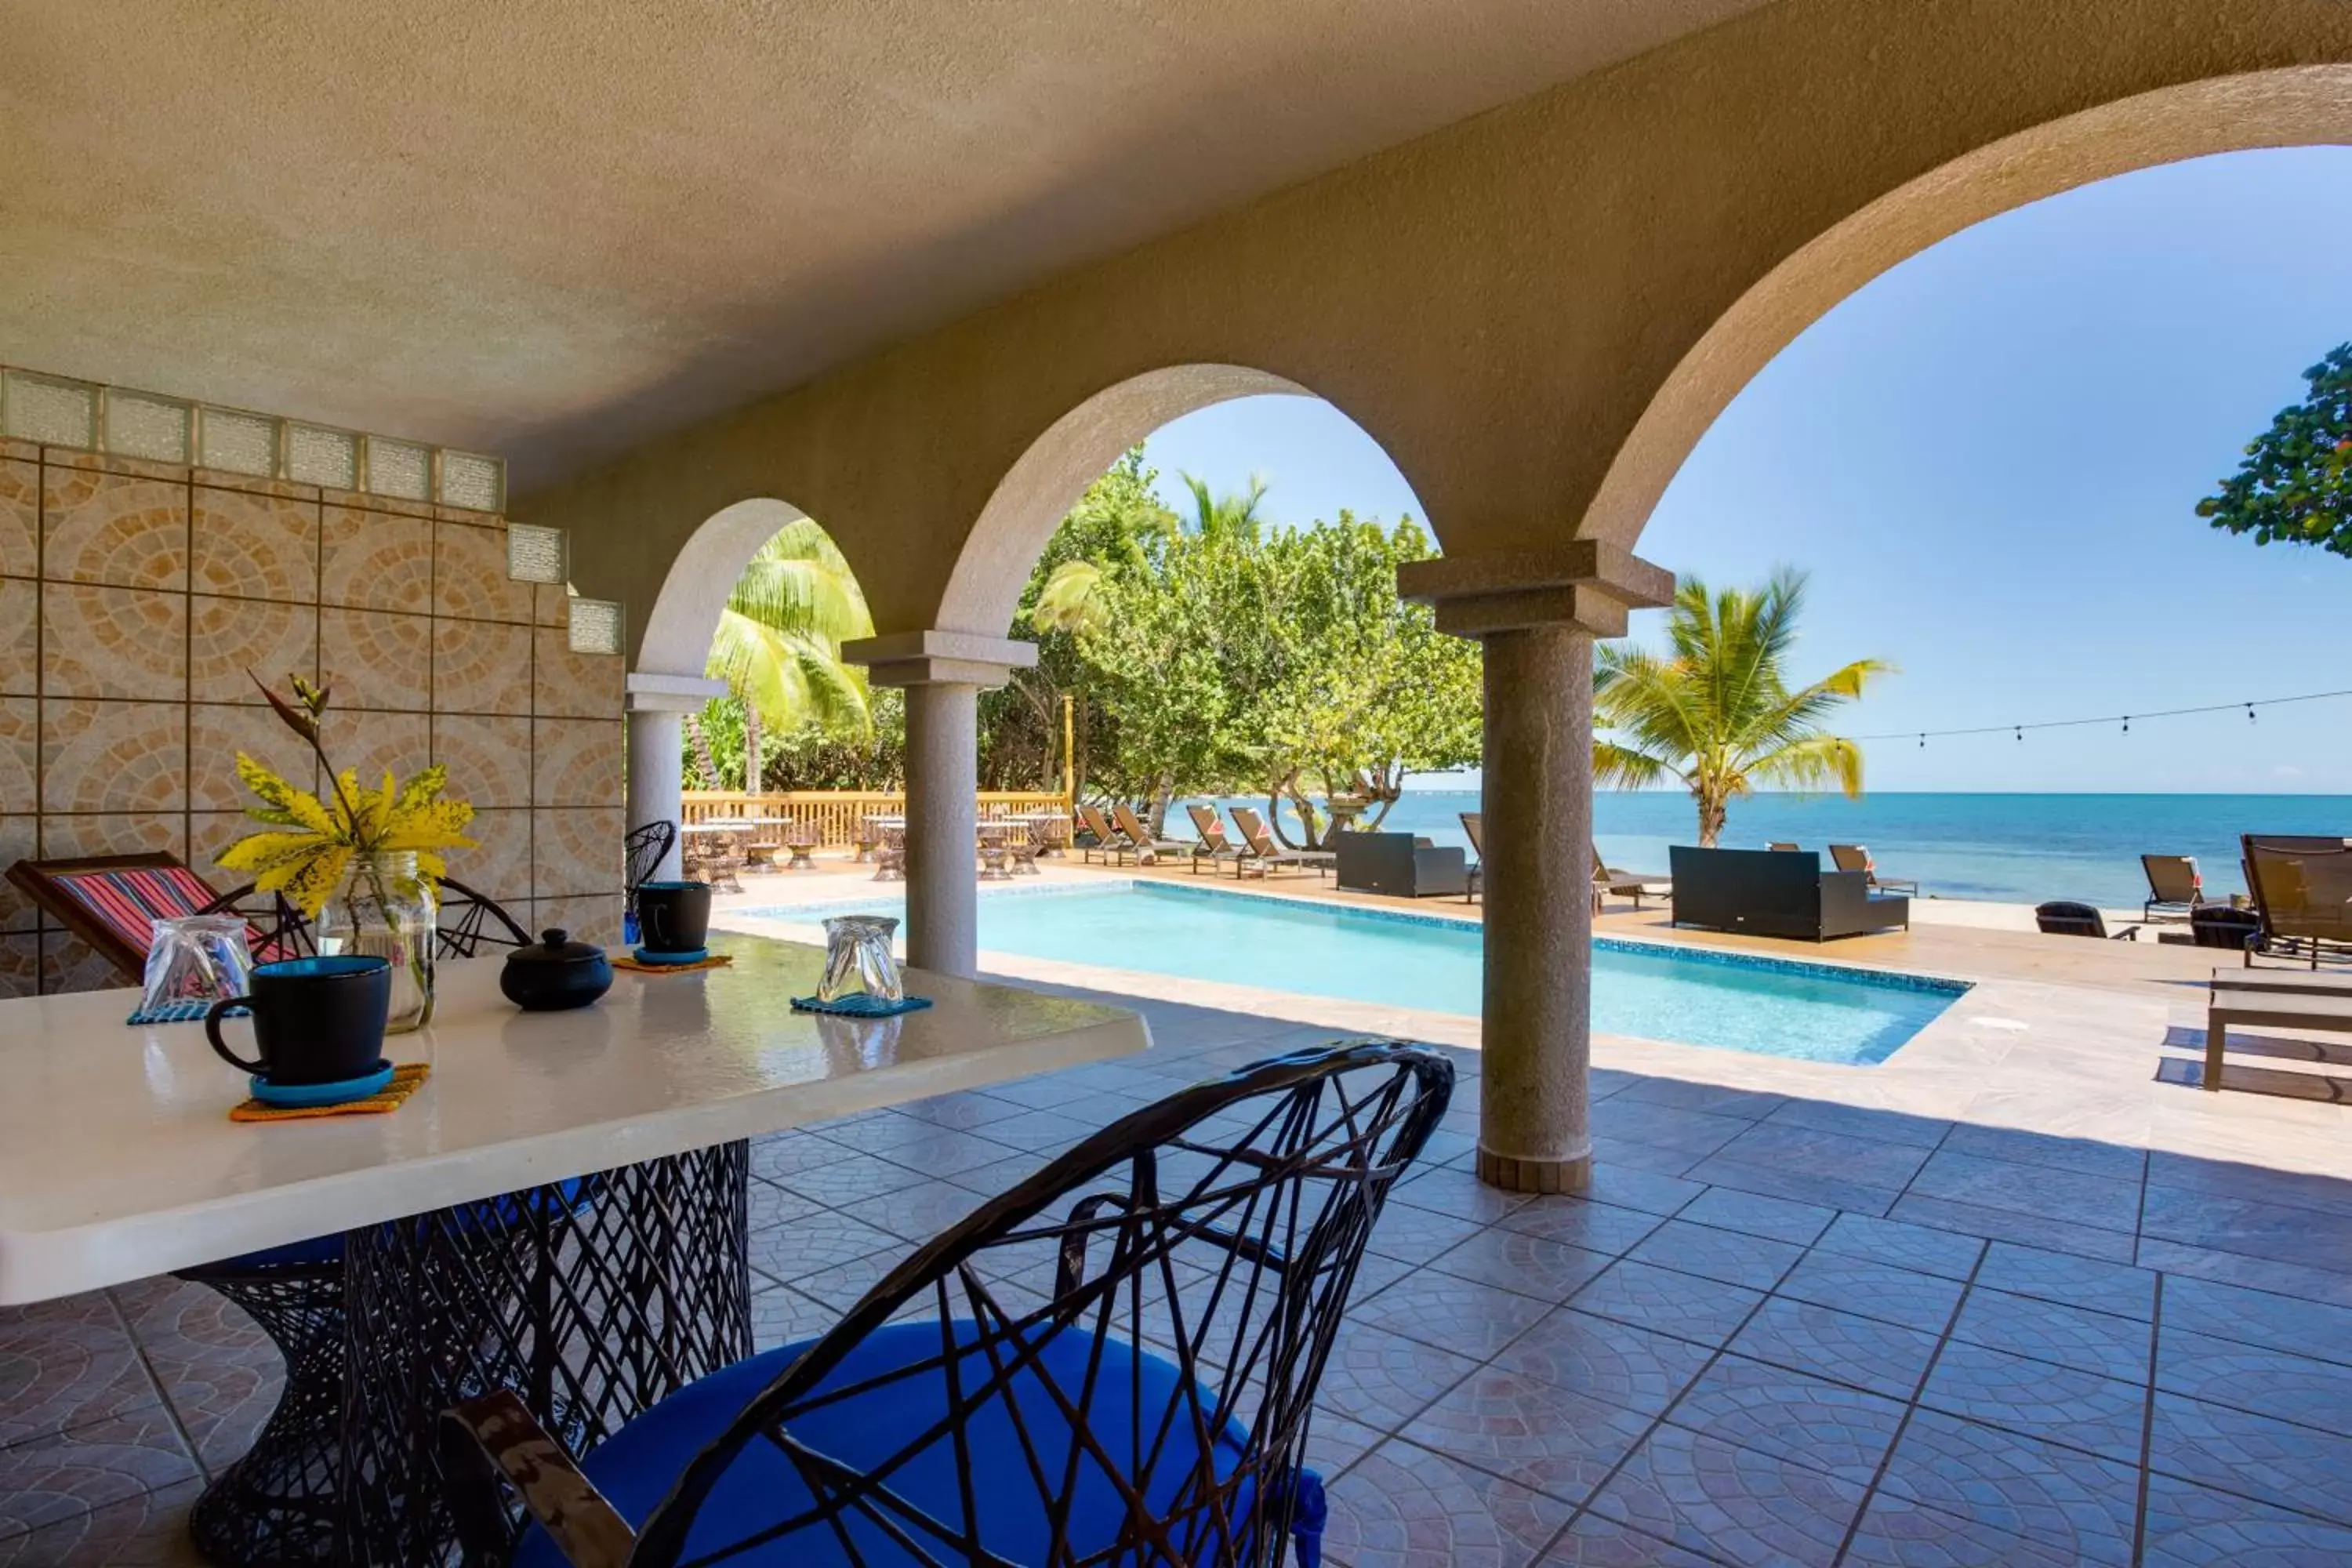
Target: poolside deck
[(1835, 1316)]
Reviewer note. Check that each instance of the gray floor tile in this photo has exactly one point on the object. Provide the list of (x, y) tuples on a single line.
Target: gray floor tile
[(2310, 1239), (1819, 1151), (1453, 1314), (1739, 1504), (1878, 1357), (2323, 1286), (2272, 1383), (1927, 1248), (1825, 1426), (821, 1239), (1614, 1362), (1871, 1289), (1714, 1100), (1667, 1302), (147, 1530), (1384, 1380), (2087, 1156), (847, 1180), (2118, 1288), (2036, 1399), (2294, 1467), (1863, 1121), (1821, 1188), (1550, 1271), (1416, 1236), (1643, 1190), (65, 1474), (1450, 1190), (2048, 1331), (2045, 1192), (2012, 1225), (1560, 1444), (2190, 1526), (1896, 1532), (1404, 1507), (1727, 1255), (1595, 1541), (2068, 1501), (1596, 1228), (1759, 1215)]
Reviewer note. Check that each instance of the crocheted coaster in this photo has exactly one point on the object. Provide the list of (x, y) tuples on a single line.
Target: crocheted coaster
[(861, 1007), (191, 1011), (405, 1078), (716, 961)]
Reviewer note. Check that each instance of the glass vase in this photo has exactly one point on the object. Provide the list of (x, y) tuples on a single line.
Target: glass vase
[(386, 908), (859, 959)]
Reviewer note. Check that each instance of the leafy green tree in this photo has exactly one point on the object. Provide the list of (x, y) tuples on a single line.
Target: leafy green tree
[(2296, 484), (1226, 516), (779, 641), (1717, 713)]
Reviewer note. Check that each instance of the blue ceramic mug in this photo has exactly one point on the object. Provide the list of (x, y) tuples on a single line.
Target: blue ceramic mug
[(315, 1020), (674, 917)]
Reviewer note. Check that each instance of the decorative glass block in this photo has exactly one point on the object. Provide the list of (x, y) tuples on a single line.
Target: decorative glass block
[(472, 481), (534, 554), (595, 626), (50, 410), (320, 456), (238, 443), (399, 468), (140, 425)]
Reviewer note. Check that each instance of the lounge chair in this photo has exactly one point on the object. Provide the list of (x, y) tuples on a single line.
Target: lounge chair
[(2062, 917), (2326, 1012), (1213, 846), (1266, 851), (1474, 825), (2174, 887), (1608, 881), (2303, 893), (1145, 848), (2220, 925), (1856, 858), (1108, 840), (1784, 846)]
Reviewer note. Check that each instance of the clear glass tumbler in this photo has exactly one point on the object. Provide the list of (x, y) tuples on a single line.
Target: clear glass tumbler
[(196, 958), (859, 959)]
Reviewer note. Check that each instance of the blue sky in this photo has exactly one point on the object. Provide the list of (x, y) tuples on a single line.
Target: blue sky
[(1989, 459)]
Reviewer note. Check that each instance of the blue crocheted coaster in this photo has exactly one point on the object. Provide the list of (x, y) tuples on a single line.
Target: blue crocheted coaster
[(861, 1007), (191, 1011)]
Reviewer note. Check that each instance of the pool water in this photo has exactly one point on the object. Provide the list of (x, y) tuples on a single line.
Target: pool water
[(1735, 1001)]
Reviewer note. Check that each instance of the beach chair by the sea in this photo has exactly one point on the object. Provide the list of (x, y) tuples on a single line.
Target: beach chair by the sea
[(1856, 858), (1474, 825), (2174, 887), (2063, 917), (2302, 885), (1785, 846), (1266, 851), (1145, 848), (1109, 842)]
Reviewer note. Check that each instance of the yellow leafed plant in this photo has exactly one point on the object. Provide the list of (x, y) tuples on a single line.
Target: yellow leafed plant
[(308, 843)]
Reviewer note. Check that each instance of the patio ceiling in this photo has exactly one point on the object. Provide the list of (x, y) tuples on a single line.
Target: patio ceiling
[(551, 228)]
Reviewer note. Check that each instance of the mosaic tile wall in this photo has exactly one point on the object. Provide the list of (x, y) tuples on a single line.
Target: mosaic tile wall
[(133, 597)]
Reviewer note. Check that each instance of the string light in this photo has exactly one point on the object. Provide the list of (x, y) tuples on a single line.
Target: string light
[(2019, 731)]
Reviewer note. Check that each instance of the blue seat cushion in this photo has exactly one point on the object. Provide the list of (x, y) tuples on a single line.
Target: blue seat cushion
[(329, 1248), (1133, 1395)]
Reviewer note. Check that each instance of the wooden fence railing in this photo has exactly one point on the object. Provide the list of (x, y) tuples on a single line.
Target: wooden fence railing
[(837, 814)]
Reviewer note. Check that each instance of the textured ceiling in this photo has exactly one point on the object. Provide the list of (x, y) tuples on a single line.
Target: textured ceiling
[(552, 227)]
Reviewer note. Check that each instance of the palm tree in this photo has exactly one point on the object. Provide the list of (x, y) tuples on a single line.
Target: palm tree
[(779, 640), (1717, 714), (1227, 515)]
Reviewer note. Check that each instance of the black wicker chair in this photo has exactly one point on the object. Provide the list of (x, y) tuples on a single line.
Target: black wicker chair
[(1113, 1363), (646, 849)]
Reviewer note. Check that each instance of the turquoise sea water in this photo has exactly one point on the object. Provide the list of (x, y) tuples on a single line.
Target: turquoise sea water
[(1813, 1012), (2015, 849)]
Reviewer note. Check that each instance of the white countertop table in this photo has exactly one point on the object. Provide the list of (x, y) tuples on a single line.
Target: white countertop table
[(118, 1160)]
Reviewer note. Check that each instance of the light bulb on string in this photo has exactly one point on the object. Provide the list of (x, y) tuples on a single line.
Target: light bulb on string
[(2126, 723), (2250, 712), (2020, 734), (1923, 742)]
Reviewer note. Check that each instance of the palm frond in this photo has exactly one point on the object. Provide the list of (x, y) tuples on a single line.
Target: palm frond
[(1811, 762)]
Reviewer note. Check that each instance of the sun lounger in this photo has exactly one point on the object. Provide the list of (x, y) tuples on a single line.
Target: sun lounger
[(1213, 846), (1608, 881), (1109, 842), (1784, 846), (1266, 850), (1474, 826), (2302, 891), (2240, 1006), (2174, 888), (1145, 848), (2285, 982), (1856, 858)]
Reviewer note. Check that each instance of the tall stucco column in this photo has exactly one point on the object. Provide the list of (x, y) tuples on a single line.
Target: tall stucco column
[(942, 673), (1537, 613), (657, 707)]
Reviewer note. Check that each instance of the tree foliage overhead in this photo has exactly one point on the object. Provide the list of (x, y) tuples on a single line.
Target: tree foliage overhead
[(779, 639), (2296, 484), (1716, 713)]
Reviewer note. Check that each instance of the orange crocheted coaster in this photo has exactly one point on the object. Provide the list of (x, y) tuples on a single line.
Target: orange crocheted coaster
[(716, 961), (405, 1078)]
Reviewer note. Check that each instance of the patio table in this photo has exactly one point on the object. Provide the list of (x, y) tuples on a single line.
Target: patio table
[(602, 1151)]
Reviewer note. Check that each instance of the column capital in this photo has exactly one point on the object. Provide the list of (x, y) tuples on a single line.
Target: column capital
[(650, 693), (1584, 583), (939, 659)]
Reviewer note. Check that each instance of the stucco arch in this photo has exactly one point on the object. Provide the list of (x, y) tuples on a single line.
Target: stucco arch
[(1054, 470), (2299, 107), (685, 613)]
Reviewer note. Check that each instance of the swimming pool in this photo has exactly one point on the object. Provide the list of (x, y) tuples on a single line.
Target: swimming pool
[(1736, 1000)]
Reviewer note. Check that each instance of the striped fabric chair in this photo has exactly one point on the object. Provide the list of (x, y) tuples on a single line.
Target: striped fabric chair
[(112, 902)]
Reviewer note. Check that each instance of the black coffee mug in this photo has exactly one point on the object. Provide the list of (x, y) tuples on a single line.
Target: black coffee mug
[(674, 917), (315, 1020)]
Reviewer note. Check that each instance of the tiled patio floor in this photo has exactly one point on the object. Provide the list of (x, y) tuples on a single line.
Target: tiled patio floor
[(2047, 1355)]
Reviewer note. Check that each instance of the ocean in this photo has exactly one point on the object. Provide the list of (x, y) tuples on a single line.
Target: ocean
[(2011, 848)]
